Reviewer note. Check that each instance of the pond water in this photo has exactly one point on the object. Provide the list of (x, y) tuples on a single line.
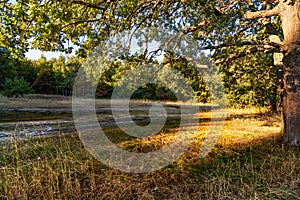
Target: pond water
[(34, 128)]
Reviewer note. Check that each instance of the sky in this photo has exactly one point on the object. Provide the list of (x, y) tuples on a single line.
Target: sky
[(36, 54)]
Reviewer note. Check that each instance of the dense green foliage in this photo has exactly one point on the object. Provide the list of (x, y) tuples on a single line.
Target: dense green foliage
[(16, 87), (21, 76), (252, 81), (16, 75)]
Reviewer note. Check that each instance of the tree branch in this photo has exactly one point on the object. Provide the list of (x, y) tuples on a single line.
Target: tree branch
[(83, 3), (245, 53), (255, 43), (194, 28), (82, 21), (264, 13)]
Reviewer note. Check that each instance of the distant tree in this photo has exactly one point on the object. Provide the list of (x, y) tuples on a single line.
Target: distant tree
[(16, 87), (71, 67), (6, 66), (45, 82), (11, 67)]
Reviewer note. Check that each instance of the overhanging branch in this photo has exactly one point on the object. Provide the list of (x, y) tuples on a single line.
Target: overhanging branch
[(250, 43), (245, 53), (264, 13)]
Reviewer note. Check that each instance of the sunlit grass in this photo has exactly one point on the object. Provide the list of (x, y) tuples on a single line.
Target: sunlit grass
[(247, 162)]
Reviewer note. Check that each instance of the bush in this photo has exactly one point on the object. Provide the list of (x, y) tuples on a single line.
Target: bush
[(16, 87)]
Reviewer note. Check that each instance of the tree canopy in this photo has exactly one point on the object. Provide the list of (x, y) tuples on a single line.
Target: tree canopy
[(53, 25)]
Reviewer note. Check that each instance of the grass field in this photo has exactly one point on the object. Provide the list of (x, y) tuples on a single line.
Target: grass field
[(248, 162)]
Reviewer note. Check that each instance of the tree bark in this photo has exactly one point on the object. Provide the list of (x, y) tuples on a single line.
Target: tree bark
[(290, 17), (291, 99)]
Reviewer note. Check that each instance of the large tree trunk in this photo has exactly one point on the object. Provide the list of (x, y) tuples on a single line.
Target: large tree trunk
[(291, 99), (290, 17)]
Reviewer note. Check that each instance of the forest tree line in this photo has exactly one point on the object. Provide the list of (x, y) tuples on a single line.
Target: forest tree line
[(252, 81)]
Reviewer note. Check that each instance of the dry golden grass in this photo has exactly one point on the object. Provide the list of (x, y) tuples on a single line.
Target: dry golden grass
[(248, 162)]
